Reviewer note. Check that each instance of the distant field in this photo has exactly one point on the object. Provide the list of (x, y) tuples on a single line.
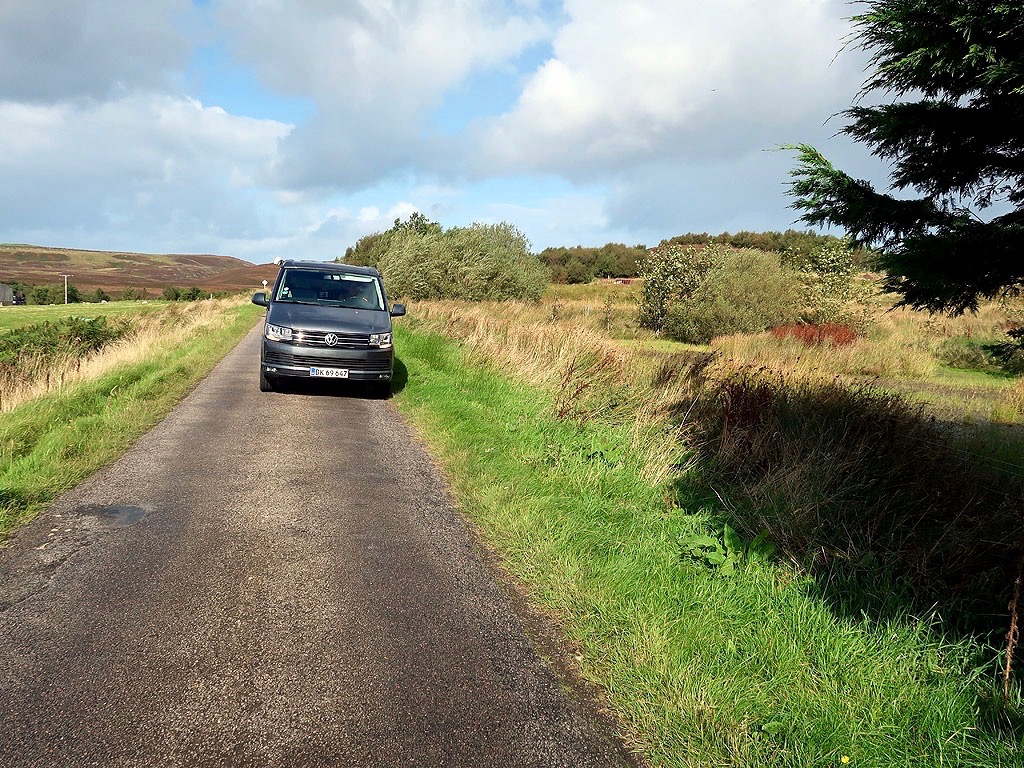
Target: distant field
[(115, 270), (15, 317)]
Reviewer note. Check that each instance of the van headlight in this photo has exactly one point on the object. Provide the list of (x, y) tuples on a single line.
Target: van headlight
[(382, 340), (277, 332)]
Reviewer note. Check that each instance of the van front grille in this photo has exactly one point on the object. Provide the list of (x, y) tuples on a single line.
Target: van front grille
[(304, 338)]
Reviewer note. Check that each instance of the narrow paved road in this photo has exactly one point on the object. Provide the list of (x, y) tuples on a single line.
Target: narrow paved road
[(270, 580)]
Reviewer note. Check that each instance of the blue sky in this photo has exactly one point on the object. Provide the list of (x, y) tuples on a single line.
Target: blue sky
[(258, 128)]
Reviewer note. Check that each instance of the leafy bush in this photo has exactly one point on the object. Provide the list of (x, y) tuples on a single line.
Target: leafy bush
[(815, 335), (673, 274), (70, 336), (131, 293), (369, 250), (484, 262), (831, 293), (748, 292), (694, 294)]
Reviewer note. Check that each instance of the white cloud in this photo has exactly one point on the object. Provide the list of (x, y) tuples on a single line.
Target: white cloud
[(638, 80), (369, 214), (404, 52), (401, 210), (654, 111), (375, 70), (52, 50), (144, 163)]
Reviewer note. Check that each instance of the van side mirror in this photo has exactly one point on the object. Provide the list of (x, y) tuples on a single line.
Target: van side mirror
[(397, 310), (260, 298)]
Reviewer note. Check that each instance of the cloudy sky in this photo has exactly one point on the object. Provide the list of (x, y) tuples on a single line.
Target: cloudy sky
[(262, 127)]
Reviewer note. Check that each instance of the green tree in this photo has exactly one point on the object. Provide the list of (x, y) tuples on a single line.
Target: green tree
[(576, 272), (489, 262), (674, 273), (369, 249), (40, 295), (171, 293), (954, 70), (132, 293)]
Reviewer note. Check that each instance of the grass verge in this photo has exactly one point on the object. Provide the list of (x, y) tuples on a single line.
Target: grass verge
[(51, 443), (711, 652)]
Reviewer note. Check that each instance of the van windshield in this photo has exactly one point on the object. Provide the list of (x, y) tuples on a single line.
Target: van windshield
[(329, 288)]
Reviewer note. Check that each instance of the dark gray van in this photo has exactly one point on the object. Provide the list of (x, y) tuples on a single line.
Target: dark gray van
[(328, 321)]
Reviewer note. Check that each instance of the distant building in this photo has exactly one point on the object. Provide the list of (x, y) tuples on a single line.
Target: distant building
[(6, 294)]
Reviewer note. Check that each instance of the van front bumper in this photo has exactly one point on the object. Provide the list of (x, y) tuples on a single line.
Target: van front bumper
[(283, 359)]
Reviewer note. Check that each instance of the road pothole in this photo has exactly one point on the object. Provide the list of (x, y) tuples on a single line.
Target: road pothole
[(113, 515)]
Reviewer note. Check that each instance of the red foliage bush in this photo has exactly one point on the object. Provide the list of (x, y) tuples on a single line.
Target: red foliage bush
[(815, 335)]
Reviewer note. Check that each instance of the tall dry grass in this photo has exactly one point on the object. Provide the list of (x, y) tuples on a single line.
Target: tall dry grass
[(590, 375), (151, 334)]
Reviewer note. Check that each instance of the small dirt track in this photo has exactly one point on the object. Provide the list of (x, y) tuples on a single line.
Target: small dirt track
[(270, 580)]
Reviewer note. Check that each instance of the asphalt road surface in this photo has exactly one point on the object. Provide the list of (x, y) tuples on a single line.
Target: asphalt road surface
[(272, 580)]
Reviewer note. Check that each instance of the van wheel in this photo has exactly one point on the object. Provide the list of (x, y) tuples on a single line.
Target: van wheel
[(382, 391), (266, 385)]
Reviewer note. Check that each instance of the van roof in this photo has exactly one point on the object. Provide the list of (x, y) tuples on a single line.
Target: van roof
[(331, 266)]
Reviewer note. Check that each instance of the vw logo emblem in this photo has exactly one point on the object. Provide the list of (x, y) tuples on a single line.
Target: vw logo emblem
[(331, 339)]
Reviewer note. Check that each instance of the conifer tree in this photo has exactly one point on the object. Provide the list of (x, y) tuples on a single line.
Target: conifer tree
[(951, 229)]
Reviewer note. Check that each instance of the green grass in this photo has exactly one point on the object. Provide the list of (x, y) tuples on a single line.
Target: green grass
[(15, 317), (703, 667), (663, 346), (51, 444)]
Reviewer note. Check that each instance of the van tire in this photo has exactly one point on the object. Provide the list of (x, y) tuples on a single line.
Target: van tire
[(266, 385)]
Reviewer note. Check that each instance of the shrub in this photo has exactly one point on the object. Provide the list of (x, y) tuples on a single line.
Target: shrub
[(830, 291), (369, 249), (132, 293), (815, 335), (744, 292), (484, 262), (673, 274), (78, 335), (192, 294)]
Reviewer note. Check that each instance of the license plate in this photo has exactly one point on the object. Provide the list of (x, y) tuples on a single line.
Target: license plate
[(329, 373)]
